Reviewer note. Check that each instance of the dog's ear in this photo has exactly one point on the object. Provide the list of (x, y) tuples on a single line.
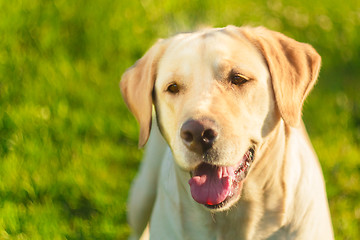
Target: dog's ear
[(136, 86), (294, 68)]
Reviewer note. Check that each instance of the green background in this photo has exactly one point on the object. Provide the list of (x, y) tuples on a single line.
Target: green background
[(68, 145)]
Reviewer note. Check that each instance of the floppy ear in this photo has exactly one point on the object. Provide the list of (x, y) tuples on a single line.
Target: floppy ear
[(136, 86), (294, 68)]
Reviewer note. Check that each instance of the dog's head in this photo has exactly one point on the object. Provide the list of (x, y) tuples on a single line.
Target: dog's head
[(218, 93)]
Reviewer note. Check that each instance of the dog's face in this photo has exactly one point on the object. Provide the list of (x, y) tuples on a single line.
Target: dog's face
[(221, 84), (214, 104), (218, 94)]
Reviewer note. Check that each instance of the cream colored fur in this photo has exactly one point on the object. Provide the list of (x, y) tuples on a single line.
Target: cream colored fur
[(283, 195)]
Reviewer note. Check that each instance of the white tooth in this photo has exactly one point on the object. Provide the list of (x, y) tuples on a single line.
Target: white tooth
[(247, 163)]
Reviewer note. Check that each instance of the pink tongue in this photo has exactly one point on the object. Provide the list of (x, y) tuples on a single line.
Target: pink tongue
[(210, 184)]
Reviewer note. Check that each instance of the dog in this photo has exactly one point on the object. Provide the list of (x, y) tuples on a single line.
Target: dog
[(228, 156)]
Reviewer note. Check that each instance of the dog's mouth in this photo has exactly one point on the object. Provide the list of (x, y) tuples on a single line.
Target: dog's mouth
[(218, 186)]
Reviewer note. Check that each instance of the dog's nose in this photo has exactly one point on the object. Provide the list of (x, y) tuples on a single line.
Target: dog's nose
[(199, 135)]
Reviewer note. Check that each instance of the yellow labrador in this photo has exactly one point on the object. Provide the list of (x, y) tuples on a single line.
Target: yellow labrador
[(232, 159)]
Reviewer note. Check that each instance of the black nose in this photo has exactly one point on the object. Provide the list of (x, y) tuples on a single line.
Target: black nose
[(199, 135)]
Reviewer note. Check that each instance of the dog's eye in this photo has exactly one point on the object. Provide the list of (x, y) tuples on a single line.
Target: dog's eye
[(173, 88), (238, 79)]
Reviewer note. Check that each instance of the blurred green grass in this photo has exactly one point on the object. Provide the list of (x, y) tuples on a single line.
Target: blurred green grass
[(68, 145)]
